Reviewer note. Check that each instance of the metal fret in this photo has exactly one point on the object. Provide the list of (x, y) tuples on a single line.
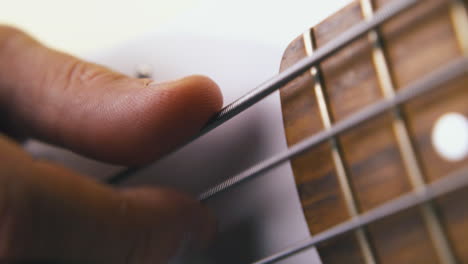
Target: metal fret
[(432, 81), (416, 177), (453, 182), (458, 13), (291, 73), (337, 154)]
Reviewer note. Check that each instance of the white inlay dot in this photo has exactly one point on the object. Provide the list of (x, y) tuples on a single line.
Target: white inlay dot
[(450, 136)]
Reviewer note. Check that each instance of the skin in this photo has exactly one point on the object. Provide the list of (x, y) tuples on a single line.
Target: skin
[(50, 213)]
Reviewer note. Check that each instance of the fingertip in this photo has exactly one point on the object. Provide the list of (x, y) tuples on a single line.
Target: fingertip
[(210, 90), (204, 94), (168, 114)]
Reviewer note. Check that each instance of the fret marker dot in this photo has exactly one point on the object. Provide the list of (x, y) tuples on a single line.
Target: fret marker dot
[(450, 136)]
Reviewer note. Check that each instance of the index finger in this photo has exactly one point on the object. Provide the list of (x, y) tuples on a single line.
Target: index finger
[(92, 110)]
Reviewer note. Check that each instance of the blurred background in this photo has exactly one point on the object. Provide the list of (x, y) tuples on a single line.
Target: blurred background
[(79, 27), (87, 26)]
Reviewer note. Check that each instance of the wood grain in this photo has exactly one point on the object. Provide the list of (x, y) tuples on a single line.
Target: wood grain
[(423, 113), (318, 188), (417, 43), (402, 238), (419, 40), (454, 212), (375, 168), (343, 249)]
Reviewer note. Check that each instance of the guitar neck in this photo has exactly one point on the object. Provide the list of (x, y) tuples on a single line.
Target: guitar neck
[(400, 151)]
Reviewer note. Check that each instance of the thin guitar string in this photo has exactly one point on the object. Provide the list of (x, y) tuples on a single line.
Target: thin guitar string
[(448, 184), (430, 82), (278, 81)]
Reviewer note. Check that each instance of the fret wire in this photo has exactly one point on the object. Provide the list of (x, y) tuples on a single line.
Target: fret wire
[(432, 81), (275, 83), (432, 222), (459, 16), (448, 184), (337, 154)]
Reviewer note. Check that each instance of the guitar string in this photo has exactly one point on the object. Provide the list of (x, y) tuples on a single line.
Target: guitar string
[(289, 74), (415, 175), (432, 81), (448, 184)]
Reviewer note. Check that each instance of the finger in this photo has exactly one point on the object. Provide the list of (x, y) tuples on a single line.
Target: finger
[(48, 213), (92, 110)]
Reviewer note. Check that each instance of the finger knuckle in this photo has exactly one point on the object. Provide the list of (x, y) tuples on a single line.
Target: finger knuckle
[(8, 35), (81, 74), (77, 71)]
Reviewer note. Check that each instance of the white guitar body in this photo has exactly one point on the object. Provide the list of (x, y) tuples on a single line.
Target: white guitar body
[(239, 44)]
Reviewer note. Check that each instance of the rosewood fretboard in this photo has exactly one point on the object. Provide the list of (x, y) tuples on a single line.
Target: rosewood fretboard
[(388, 156)]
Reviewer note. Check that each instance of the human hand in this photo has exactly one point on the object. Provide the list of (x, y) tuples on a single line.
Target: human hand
[(49, 213)]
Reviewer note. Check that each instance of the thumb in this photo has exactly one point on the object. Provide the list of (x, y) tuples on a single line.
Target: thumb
[(93, 110), (48, 213)]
